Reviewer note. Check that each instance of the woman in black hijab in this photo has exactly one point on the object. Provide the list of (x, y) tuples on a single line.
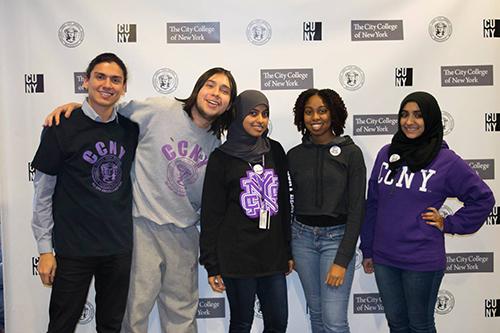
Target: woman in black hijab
[(245, 219), (402, 237)]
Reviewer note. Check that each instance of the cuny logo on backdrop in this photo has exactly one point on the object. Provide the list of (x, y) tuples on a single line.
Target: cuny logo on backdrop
[(193, 32), (491, 307), (469, 262), (404, 77), (466, 75), (165, 81), (363, 30), (71, 34), (312, 31), (126, 33), (31, 172), (34, 265), (33, 83), (352, 77), (211, 308), (286, 79), (492, 219), (375, 124), (485, 168), (440, 29), (492, 122), (489, 28), (259, 32)]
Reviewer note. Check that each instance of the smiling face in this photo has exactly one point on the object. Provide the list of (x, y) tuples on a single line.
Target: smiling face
[(255, 123), (214, 97), (105, 86), (318, 120), (411, 120)]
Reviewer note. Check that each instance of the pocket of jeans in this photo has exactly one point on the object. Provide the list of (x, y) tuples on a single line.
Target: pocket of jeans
[(335, 235)]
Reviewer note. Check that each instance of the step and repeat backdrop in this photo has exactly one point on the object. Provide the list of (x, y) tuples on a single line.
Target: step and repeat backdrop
[(373, 53)]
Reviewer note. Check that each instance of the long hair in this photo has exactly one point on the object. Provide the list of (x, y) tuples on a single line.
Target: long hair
[(221, 123)]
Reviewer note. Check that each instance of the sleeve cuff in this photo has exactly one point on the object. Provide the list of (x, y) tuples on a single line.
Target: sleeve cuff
[(45, 246), (447, 227), (212, 271), (342, 260)]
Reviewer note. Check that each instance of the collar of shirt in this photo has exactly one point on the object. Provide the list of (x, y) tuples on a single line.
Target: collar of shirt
[(89, 112)]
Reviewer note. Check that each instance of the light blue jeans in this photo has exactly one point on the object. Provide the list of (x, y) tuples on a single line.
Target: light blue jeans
[(314, 250)]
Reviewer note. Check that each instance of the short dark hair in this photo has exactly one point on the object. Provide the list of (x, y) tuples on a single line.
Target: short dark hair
[(222, 122), (333, 102), (107, 57)]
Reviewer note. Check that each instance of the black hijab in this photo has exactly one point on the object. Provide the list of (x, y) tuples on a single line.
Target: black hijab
[(239, 143), (419, 152)]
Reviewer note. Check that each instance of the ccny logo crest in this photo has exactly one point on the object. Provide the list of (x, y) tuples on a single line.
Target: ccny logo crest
[(440, 29), (259, 32), (71, 34), (165, 81), (445, 302), (448, 122), (352, 77), (87, 314)]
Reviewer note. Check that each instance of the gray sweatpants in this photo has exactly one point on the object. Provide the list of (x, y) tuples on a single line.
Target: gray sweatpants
[(164, 270)]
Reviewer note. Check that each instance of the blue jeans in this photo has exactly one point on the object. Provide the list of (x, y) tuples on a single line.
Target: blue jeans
[(272, 293), (409, 298), (314, 250)]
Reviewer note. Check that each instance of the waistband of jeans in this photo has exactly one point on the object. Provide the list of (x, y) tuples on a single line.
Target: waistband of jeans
[(305, 227)]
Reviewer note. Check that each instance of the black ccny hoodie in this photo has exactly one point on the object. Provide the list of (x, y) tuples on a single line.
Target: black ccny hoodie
[(330, 180)]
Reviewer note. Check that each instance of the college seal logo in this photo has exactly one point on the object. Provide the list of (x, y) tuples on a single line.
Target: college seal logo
[(359, 258), (440, 29), (165, 81), (448, 122), (87, 314), (181, 172), (445, 302), (352, 77), (259, 32), (107, 173), (71, 34)]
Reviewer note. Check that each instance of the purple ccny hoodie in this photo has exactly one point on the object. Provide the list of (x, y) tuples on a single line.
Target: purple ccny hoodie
[(394, 233)]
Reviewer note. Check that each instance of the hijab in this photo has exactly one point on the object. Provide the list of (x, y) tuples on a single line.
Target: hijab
[(419, 152), (239, 143)]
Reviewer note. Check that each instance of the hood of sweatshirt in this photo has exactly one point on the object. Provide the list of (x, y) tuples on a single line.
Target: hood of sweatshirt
[(324, 151)]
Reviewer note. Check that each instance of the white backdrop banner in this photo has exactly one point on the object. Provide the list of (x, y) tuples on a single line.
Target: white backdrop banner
[(372, 52)]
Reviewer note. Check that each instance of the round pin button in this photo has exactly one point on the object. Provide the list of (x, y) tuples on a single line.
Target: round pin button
[(335, 150), (394, 158), (258, 169)]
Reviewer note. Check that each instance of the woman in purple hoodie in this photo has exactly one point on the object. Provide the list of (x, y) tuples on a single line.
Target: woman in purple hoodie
[(402, 238)]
